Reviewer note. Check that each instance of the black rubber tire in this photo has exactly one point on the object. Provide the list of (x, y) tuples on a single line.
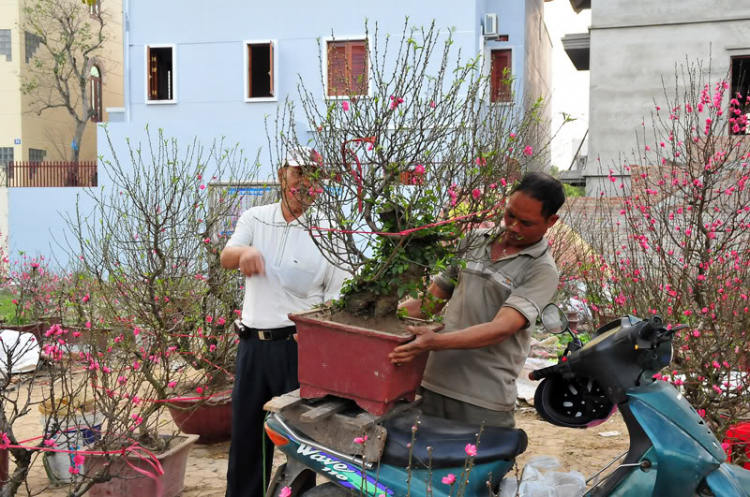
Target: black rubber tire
[(327, 490)]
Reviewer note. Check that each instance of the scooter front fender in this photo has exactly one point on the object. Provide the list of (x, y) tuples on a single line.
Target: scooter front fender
[(729, 481)]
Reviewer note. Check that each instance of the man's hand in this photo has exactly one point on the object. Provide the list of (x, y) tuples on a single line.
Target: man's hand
[(251, 262), (425, 341)]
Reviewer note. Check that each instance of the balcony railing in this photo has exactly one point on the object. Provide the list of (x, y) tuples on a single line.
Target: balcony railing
[(50, 174)]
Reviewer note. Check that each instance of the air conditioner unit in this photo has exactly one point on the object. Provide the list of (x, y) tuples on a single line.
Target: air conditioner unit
[(490, 25)]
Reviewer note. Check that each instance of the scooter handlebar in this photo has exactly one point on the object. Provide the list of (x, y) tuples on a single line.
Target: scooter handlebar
[(540, 374)]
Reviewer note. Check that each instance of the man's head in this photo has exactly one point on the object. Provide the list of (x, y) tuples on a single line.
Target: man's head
[(297, 177), (532, 208)]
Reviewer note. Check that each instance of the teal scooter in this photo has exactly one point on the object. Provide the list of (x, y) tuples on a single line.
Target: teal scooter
[(672, 452)]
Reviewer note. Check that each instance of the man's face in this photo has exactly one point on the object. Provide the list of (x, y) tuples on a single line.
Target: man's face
[(298, 185), (524, 222)]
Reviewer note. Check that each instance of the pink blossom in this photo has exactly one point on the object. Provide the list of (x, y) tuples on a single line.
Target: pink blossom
[(345, 106), (85, 298), (4, 441), (529, 150), (701, 413), (172, 384), (73, 471), (78, 459), (285, 492), (476, 193), (471, 450), (221, 321), (212, 347), (360, 440), (49, 442), (450, 479), (202, 187), (136, 331), (432, 104), (209, 319), (419, 169), (199, 389)]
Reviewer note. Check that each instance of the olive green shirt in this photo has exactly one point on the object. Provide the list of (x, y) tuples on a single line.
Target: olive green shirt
[(525, 281)]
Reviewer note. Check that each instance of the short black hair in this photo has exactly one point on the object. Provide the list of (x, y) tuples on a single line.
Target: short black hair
[(544, 188)]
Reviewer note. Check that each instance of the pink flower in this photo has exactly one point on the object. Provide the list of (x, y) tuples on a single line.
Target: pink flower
[(4, 441), (432, 104), (286, 491), (85, 298), (419, 169), (172, 384), (202, 187), (701, 413), (136, 331), (49, 442), (209, 319), (78, 459), (345, 106), (528, 150), (199, 389), (476, 193), (73, 471), (221, 321), (471, 450), (212, 347), (360, 440), (450, 479)]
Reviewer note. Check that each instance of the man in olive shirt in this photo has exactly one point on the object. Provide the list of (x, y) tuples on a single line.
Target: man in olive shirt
[(493, 304)]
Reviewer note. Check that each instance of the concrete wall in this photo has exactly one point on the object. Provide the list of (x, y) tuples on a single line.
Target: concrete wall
[(636, 43), (538, 76)]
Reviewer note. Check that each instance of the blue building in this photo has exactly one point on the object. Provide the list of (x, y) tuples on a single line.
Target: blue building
[(217, 69)]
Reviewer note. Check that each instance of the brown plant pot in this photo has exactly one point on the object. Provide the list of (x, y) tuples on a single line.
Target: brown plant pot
[(352, 362), (211, 421), (36, 329), (129, 483)]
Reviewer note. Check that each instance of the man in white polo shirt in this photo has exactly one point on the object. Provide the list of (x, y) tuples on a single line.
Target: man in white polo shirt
[(285, 273)]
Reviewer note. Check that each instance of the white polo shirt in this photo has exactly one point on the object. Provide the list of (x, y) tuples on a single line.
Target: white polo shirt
[(297, 275)]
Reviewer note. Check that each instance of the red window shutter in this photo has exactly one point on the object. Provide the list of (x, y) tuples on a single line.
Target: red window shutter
[(337, 68), (499, 89), (358, 67), (153, 81), (270, 70)]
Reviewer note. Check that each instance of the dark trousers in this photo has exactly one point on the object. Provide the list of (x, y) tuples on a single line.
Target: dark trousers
[(265, 369)]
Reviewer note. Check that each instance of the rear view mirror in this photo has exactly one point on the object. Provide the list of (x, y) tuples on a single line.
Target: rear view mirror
[(554, 319)]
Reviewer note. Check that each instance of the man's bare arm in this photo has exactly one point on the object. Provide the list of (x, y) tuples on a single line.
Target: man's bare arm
[(249, 260), (414, 306)]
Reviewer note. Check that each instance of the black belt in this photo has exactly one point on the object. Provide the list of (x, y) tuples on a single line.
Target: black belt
[(285, 333)]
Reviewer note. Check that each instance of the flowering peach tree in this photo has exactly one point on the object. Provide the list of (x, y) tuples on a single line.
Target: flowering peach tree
[(678, 243)]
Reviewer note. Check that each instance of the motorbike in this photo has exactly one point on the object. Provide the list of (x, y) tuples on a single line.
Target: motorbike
[(672, 451)]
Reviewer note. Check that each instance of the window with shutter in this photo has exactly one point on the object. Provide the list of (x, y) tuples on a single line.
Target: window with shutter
[(161, 73), (347, 68), (501, 76), (259, 69)]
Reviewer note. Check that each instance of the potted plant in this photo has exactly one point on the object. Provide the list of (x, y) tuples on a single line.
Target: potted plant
[(434, 129)]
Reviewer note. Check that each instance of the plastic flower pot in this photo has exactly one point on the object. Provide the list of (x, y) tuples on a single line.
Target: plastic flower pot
[(211, 421), (73, 426), (738, 434), (352, 362), (128, 482), (36, 329)]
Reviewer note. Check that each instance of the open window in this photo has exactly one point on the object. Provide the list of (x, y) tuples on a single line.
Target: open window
[(347, 68), (259, 70), (95, 94), (161, 74), (501, 75), (741, 92)]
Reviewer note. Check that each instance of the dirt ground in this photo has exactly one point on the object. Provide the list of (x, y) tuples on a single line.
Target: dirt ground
[(581, 450)]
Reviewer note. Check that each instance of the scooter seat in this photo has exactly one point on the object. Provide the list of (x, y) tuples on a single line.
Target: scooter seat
[(448, 440)]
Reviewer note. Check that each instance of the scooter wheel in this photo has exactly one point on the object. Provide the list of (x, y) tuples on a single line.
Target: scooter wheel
[(327, 490)]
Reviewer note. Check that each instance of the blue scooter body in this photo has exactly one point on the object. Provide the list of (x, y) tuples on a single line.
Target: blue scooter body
[(684, 451), (388, 480)]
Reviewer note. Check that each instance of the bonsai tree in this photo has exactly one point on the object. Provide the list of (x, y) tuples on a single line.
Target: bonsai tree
[(413, 156)]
